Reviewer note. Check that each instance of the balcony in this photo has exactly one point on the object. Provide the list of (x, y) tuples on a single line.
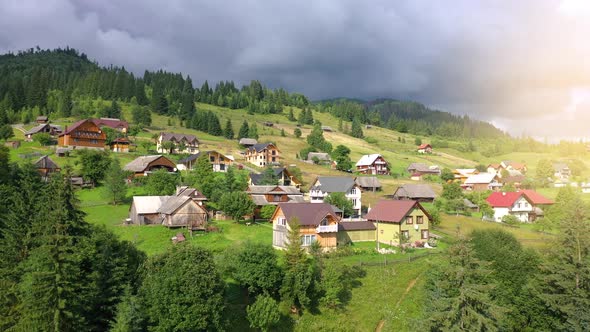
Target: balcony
[(327, 229)]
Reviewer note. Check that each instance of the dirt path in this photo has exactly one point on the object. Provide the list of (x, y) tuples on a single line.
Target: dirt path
[(19, 127), (411, 285)]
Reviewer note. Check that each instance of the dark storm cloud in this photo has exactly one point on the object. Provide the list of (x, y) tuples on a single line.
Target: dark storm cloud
[(500, 61)]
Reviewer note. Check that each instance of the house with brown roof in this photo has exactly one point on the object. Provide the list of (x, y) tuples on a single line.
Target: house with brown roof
[(218, 161), (263, 154), (143, 166), (395, 218), (317, 223), (47, 128), (83, 134), (273, 195), (42, 119), (45, 166), (120, 144), (513, 165), (482, 182), (425, 148), (282, 174), (116, 124), (416, 192), (170, 211), (182, 143)]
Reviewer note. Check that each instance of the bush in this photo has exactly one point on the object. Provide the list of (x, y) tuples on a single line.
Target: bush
[(43, 139), (264, 313), (371, 140)]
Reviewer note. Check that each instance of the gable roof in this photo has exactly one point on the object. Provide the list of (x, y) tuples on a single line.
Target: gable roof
[(368, 182), (469, 204), (256, 178), (148, 204), (423, 168), (261, 190), (46, 162), (536, 198), (309, 214), (111, 123), (178, 137), (424, 146), (195, 156), (173, 203), (75, 126), (368, 159), (392, 210), (42, 118), (481, 178), (260, 146), (415, 191), (504, 199), (513, 179), (139, 164), (36, 129), (494, 166), (191, 192), (247, 141), (334, 184), (320, 155)]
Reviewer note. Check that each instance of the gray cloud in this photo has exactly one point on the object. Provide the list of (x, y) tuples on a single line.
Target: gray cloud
[(505, 61)]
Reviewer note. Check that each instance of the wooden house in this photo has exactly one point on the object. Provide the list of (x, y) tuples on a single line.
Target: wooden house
[(45, 166), (482, 182), (47, 128), (420, 169), (372, 164), (219, 161), (395, 218), (83, 134), (273, 195), (247, 142), (116, 124), (169, 211), (42, 119), (263, 154), (368, 183), (461, 174), (415, 192), (143, 166), (317, 223), (120, 144)]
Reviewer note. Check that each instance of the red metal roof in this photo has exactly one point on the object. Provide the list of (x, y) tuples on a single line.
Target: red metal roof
[(424, 146), (391, 210), (503, 199), (536, 198), (111, 123)]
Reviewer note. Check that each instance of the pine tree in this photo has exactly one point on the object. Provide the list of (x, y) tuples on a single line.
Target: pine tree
[(356, 129), (214, 127), (140, 93), (115, 182), (459, 297), (244, 130), (253, 131), (228, 131), (291, 116)]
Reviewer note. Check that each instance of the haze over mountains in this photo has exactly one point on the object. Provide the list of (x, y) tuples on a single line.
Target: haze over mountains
[(520, 64)]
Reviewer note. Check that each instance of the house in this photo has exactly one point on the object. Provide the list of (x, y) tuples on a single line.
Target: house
[(370, 183), (511, 203), (321, 157), (322, 186), (182, 143), (396, 218), (513, 179), (143, 166), (482, 182), (513, 165), (461, 174), (42, 119), (83, 134), (273, 195), (373, 164), (120, 144), (282, 174), (42, 128), (218, 161), (80, 182), (420, 169), (247, 142), (539, 201), (495, 168), (416, 192), (317, 223), (263, 154), (45, 166), (116, 124), (192, 193), (170, 211), (425, 148), (562, 171), (469, 205)]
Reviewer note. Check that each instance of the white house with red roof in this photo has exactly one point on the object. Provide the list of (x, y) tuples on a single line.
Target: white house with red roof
[(425, 148), (526, 205)]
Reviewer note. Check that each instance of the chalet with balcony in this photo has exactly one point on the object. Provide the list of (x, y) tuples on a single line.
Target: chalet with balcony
[(372, 164), (263, 154), (325, 185), (218, 161), (181, 143), (83, 134), (273, 195), (317, 223)]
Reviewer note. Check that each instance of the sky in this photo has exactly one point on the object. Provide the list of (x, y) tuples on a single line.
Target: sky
[(522, 65)]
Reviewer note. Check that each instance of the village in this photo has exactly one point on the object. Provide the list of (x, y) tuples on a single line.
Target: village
[(331, 212)]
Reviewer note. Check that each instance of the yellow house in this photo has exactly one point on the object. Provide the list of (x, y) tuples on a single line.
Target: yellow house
[(393, 218), (317, 222)]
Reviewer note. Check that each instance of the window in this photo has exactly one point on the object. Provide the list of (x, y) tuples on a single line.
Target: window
[(354, 202), (308, 239), (282, 221), (273, 159), (276, 198), (409, 220), (424, 234), (406, 234), (212, 158), (419, 219), (274, 152), (325, 222), (353, 191)]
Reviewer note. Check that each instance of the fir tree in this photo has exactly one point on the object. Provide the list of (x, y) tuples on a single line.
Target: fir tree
[(228, 131), (244, 130), (253, 131), (115, 182), (356, 129), (214, 127)]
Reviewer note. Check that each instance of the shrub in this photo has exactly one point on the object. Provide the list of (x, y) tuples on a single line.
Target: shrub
[(371, 140)]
